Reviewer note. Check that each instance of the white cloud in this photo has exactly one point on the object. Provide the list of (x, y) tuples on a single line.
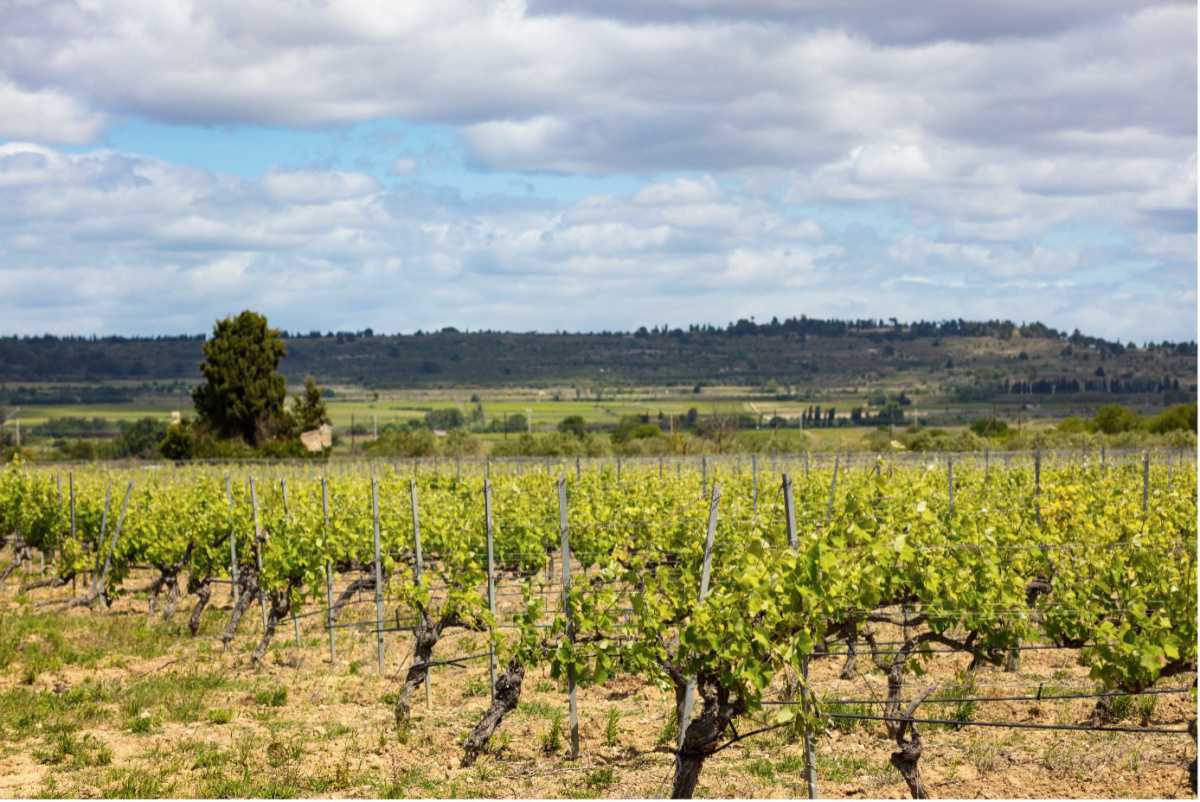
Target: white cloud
[(46, 115), (979, 130), (681, 190), (309, 186)]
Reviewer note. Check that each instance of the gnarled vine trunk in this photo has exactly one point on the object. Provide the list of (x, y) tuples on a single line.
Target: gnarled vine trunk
[(849, 667), (203, 591), (702, 737), (22, 554), (281, 605), (426, 637), (906, 761), (248, 593), (505, 696)]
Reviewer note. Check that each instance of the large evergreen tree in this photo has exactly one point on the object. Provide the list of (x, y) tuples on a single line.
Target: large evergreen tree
[(243, 393)]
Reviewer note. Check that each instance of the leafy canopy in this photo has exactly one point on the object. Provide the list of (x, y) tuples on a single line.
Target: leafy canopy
[(310, 410), (243, 393)]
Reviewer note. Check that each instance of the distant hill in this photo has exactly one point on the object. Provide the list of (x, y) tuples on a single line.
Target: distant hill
[(971, 360)]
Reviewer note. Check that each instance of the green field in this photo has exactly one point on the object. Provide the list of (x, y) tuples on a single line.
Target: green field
[(544, 408)]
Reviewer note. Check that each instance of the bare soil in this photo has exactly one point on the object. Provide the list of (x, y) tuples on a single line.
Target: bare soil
[(333, 734)]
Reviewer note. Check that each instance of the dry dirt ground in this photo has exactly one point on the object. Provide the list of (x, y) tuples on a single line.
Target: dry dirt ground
[(116, 703)]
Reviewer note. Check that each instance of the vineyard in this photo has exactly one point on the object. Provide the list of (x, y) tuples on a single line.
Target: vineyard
[(794, 602)]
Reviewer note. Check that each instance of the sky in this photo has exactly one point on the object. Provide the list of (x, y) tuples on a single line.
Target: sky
[(596, 164)]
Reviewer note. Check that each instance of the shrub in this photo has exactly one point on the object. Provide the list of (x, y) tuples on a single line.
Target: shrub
[(989, 427), (1179, 418), (1114, 418)]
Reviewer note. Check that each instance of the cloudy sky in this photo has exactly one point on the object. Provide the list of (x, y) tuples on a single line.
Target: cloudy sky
[(589, 164)]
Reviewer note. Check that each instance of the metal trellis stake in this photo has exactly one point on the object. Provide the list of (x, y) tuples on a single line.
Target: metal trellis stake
[(379, 646), (99, 583), (832, 492), (233, 563), (258, 536), (418, 566), (328, 572), (1145, 483), (287, 520), (689, 692), (754, 479), (491, 583), (950, 482), (810, 770), (1037, 486), (572, 709)]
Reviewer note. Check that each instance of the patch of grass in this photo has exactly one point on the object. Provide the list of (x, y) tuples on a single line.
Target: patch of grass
[(271, 697), (538, 709), (1066, 758), (220, 786), (336, 729), (669, 734), (402, 782), (831, 706), (142, 723), (552, 740), (205, 754), (545, 686), (284, 753), (599, 780), (49, 789), (40, 642), (475, 686), (840, 768), (1124, 708), (761, 768), (220, 715), (790, 764), (65, 748), (1143, 708), (25, 712), (134, 783), (984, 755), (960, 710), (612, 728), (179, 696)]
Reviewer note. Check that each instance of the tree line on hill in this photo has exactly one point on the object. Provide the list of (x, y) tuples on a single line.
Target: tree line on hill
[(792, 350), (242, 410)]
